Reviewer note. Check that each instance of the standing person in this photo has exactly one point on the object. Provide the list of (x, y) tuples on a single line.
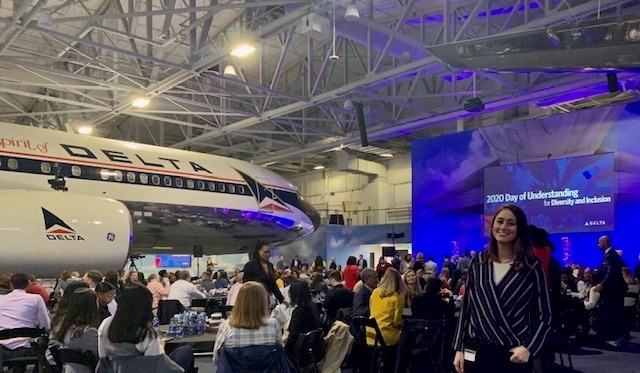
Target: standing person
[(79, 328), (406, 264), (611, 289), (296, 263), (333, 265), (418, 263), (362, 263), (129, 332), (464, 261), (630, 302), (507, 283), (209, 265), (386, 306), (280, 265), (431, 268), (261, 270), (351, 273), (395, 262), (158, 289), (382, 267), (318, 265)]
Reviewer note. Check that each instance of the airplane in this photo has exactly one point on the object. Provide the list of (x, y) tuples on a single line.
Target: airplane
[(177, 199)]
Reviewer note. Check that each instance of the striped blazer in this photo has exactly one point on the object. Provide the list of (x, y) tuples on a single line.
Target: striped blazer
[(513, 313)]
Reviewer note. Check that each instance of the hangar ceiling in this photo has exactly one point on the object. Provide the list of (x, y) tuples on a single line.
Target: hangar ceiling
[(67, 63)]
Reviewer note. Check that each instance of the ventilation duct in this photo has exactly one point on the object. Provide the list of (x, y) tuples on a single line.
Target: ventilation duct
[(350, 163)]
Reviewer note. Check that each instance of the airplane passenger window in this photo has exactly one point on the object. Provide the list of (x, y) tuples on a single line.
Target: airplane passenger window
[(232, 189), (76, 171), (12, 163), (167, 181), (45, 167), (190, 184), (131, 177), (212, 186), (222, 187), (144, 179), (241, 189), (155, 179), (200, 185), (104, 174), (117, 175), (179, 183)]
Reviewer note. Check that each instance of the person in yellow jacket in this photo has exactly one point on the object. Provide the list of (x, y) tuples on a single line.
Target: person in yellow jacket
[(386, 304)]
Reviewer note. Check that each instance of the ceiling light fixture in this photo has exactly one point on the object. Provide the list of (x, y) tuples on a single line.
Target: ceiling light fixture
[(386, 155), (352, 14), (85, 130), (229, 71), (140, 102), (319, 167), (334, 56), (242, 50)]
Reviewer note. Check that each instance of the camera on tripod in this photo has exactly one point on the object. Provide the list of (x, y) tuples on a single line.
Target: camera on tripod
[(134, 256)]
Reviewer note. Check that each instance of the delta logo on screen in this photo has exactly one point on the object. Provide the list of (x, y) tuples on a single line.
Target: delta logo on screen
[(57, 229)]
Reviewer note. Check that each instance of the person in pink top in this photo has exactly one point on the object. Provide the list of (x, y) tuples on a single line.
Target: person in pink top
[(351, 273), (159, 290)]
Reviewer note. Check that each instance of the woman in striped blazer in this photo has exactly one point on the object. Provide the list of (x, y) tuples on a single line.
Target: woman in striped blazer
[(505, 315)]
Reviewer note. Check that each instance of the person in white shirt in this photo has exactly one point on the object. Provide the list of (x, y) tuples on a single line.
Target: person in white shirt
[(19, 309), (183, 290)]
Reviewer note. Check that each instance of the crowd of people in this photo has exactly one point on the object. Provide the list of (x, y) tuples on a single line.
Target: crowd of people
[(511, 304)]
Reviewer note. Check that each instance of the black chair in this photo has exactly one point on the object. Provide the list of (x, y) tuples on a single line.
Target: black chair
[(359, 326), (309, 351), (64, 356), (421, 346), (168, 308), (38, 340)]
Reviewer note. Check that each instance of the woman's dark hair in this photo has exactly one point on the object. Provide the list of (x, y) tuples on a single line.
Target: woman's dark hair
[(433, 286), (301, 297), (132, 321), (318, 279), (255, 255), (351, 260), (522, 252), (81, 313), (64, 301), (319, 263), (104, 287), (112, 278)]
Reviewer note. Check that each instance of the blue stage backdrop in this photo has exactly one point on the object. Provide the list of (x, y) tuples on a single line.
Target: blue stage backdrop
[(566, 171)]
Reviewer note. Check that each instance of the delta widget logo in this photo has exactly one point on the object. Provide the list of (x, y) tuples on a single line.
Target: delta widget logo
[(57, 229)]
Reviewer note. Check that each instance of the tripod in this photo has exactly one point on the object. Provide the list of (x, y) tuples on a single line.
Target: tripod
[(132, 264)]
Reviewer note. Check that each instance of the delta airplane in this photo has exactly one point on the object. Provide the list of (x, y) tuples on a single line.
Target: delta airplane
[(176, 199)]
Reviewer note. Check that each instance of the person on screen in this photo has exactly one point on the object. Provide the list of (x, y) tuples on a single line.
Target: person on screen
[(507, 282)]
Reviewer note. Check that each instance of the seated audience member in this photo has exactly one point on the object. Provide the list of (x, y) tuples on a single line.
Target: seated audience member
[(106, 294), (35, 288), (288, 280), (279, 281), (584, 285), (351, 273), (222, 281), (387, 304), (205, 281), (421, 278), (132, 277), (19, 309), (406, 264), (249, 323), (454, 283), (64, 304), (444, 277), (317, 284), (412, 287), (92, 278), (129, 332), (434, 304), (361, 297), (61, 283), (79, 328), (158, 290), (112, 278), (142, 279), (233, 292), (337, 297), (183, 290), (460, 285), (568, 282), (5, 283), (630, 302), (430, 267), (305, 318)]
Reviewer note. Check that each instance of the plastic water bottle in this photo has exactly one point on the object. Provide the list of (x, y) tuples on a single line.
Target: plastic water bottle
[(156, 322), (172, 326), (200, 324), (179, 329)]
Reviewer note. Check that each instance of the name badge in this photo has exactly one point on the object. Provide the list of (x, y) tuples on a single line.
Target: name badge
[(469, 355)]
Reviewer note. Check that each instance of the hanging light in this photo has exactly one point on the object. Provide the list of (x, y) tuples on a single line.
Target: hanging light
[(334, 56), (352, 14), (229, 71)]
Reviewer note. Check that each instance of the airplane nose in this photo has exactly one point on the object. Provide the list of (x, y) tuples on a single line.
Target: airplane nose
[(310, 211)]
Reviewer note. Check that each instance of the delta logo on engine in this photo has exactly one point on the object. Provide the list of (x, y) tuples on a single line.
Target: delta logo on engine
[(57, 229)]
